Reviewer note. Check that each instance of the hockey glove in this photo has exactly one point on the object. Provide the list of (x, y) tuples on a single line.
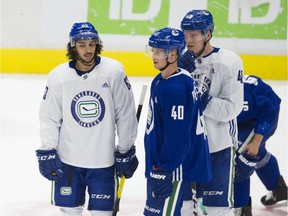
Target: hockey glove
[(187, 61), (245, 166), (204, 96), (127, 163), (160, 182), (50, 165)]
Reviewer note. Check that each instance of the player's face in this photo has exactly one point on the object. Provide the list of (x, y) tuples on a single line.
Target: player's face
[(159, 58), (86, 50), (194, 40)]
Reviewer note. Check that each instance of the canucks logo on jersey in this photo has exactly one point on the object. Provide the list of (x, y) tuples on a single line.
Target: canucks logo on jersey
[(88, 108)]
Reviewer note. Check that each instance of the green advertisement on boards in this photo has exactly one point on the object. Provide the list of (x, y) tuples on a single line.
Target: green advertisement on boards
[(128, 17), (265, 19), (262, 19)]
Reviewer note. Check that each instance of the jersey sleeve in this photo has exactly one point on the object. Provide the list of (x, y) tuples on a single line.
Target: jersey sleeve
[(125, 112), (263, 105), (229, 103), (50, 114)]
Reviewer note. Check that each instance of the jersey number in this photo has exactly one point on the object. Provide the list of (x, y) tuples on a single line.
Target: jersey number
[(240, 76), (245, 106), (177, 112)]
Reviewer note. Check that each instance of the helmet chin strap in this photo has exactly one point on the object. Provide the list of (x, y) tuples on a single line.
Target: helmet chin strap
[(167, 64)]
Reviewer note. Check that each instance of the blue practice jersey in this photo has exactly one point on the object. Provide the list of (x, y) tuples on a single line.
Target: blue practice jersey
[(260, 111), (175, 138)]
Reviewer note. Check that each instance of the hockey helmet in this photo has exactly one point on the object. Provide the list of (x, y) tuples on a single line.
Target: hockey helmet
[(198, 20), (83, 31), (168, 39)]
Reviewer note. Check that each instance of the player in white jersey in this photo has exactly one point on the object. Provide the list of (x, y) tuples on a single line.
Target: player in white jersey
[(219, 75), (85, 101)]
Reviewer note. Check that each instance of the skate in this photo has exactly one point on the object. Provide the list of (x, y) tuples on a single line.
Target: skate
[(276, 195), (244, 211)]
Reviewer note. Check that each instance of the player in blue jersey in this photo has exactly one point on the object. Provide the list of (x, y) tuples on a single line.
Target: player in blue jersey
[(176, 149), (218, 73), (260, 115), (85, 101)]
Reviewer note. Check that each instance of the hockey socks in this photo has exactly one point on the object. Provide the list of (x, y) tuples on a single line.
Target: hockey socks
[(264, 173)]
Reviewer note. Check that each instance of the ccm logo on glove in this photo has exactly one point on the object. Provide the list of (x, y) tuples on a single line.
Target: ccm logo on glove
[(48, 157), (125, 160)]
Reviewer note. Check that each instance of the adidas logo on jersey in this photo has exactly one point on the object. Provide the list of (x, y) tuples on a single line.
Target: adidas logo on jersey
[(105, 85)]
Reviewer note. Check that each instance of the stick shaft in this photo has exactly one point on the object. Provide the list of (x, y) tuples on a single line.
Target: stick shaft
[(247, 141), (122, 180)]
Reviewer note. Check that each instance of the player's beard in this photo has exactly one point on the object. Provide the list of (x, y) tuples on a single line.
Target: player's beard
[(85, 62)]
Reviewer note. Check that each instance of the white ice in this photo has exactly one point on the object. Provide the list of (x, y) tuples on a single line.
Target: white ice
[(24, 192)]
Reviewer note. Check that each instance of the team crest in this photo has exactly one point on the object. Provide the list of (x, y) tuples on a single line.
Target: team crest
[(65, 191), (88, 108)]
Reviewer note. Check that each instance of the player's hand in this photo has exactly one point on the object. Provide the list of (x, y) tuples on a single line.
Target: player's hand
[(160, 182), (127, 163), (187, 61), (50, 166), (252, 149)]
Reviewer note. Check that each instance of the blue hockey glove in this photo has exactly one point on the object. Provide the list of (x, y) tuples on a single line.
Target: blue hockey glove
[(204, 96), (187, 61), (160, 182), (127, 163), (245, 166), (50, 165)]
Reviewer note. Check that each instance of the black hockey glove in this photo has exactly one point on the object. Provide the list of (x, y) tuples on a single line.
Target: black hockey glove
[(160, 182), (187, 61), (50, 166), (127, 163)]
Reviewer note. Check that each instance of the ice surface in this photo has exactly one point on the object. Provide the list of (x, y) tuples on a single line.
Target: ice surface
[(24, 192)]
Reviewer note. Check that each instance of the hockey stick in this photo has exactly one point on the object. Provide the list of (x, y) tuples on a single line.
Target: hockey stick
[(247, 141), (122, 180)]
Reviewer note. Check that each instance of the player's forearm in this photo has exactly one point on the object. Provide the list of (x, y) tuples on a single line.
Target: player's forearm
[(257, 139)]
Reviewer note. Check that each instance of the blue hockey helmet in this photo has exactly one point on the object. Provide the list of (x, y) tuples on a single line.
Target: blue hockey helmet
[(198, 20), (83, 31), (168, 39)]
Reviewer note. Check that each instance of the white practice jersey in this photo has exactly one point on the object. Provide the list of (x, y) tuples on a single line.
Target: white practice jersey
[(79, 115), (222, 72)]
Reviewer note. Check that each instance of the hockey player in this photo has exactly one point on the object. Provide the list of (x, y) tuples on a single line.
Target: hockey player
[(176, 149), (219, 74), (85, 100), (260, 115)]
